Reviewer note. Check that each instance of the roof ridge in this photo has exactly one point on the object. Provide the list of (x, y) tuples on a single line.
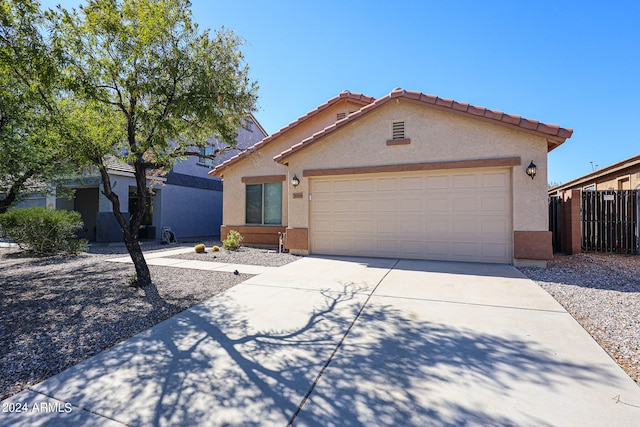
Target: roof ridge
[(552, 131)]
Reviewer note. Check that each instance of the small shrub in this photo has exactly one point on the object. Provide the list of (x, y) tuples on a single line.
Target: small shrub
[(200, 248), (215, 248), (233, 241), (44, 231)]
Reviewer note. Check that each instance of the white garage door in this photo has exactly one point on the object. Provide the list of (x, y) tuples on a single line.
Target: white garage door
[(462, 215)]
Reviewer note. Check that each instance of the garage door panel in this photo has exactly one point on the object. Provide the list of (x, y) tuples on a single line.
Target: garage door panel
[(495, 227), (387, 184), (321, 225), (444, 215), (365, 185), (387, 246), (435, 204), (438, 249), (364, 205), (439, 225), (411, 205), (342, 185), (387, 226), (466, 181), (465, 204), (342, 226), (411, 183), (412, 226), (497, 251), (494, 203), (365, 226), (437, 182), (466, 249), (322, 187), (322, 206), (466, 227), (341, 206), (412, 248), (363, 245), (495, 180), (386, 205)]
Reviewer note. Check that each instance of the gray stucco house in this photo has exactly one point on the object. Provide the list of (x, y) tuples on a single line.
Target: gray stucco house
[(186, 199)]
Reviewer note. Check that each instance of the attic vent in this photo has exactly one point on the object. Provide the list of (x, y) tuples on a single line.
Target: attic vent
[(341, 116), (398, 130)]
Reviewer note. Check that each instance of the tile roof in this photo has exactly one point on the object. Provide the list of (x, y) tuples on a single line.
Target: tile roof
[(351, 96), (555, 134), (592, 177)]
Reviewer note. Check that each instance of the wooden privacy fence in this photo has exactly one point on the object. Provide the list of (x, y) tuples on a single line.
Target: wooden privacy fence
[(609, 221), (555, 222)]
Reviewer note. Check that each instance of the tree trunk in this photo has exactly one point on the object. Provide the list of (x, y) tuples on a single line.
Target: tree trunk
[(14, 191), (130, 231), (143, 275)]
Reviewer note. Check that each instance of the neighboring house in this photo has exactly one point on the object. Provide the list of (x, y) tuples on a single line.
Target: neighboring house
[(568, 214), (186, 199), (407, 175), (624, 175)]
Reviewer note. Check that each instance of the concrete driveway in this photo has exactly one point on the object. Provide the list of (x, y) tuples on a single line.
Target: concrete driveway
[(351, 341)]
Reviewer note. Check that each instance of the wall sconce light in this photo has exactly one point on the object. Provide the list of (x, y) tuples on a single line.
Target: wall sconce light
[(532, 169), (295, 181)]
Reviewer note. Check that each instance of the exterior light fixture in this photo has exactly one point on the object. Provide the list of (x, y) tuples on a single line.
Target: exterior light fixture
[(532, 169), (295, 181)]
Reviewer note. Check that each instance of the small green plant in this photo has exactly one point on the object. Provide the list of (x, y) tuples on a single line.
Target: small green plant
[(44, 231), (215, 249), (133, 281), (233, 241), (200, 248)]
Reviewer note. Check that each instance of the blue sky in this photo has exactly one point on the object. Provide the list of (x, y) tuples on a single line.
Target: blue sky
[(575, 64)]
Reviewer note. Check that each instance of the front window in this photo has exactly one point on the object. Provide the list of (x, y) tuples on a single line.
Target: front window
[(264, 203)]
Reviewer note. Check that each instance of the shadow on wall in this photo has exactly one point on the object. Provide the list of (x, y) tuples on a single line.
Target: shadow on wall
[(212, 366)]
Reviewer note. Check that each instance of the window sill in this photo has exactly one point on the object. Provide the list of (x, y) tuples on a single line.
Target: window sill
[(392, 142)]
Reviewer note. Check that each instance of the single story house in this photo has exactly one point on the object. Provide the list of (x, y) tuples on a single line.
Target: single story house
[(624, 175), (407, 175), (186, 199)]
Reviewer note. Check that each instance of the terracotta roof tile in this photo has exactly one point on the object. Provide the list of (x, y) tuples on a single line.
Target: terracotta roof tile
[(554, 133), (476, 111), (565, 133), (511, 118), (493, 114), (529, 124), (460, 106), (412, 94), (428, 98), (444, 102), (550, 129)]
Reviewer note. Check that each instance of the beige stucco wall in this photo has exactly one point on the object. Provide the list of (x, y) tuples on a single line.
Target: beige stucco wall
[(628, 180), (260, 163), (435, 136)]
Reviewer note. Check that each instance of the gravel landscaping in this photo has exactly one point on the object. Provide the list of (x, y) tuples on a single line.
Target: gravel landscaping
[(244, 255), (56, 312), (602, 292)]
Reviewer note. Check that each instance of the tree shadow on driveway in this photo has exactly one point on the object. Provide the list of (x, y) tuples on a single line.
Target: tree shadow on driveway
[(251, 355)]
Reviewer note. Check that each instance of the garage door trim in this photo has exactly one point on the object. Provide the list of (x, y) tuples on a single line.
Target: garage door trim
[(417, 167)]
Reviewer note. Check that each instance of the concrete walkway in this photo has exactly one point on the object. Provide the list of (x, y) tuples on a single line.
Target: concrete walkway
[(351, 341), (164, 258)]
